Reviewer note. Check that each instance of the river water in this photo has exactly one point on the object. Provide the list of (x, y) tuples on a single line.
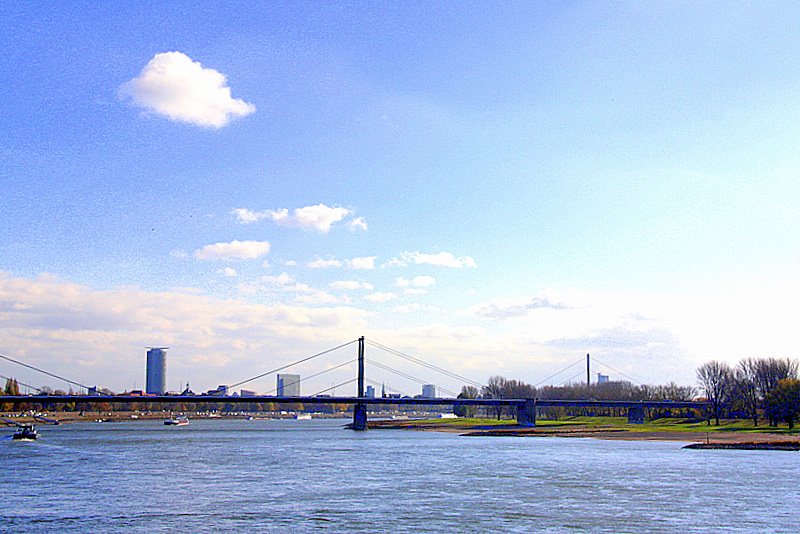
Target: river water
[(308, 476)]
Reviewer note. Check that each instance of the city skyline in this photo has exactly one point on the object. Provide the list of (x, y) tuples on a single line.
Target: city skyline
[(495, 189)]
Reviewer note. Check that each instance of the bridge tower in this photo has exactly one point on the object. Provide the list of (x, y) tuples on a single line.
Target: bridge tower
[(359, 408)]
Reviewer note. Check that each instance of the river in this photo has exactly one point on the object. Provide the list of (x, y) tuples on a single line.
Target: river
[(303, 476)]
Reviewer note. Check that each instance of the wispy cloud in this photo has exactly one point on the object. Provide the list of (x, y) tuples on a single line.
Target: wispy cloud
[(230, 272), (97, 337), (174, 86), (417, 281), (358, 224), (319, 263), (380, 297), (440, 259), (351, 285), (235, 250), (511, 308), (414, 307)]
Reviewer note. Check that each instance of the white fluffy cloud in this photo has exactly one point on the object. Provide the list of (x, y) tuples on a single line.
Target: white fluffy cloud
[(235, 250), (230, 272), (319, 217), (174, 86), (441, 259), (367, 262), (246, 216)]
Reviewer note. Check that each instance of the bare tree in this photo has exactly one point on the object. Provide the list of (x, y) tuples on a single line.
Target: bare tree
[(495, 388), (715, 379), (746, 387)]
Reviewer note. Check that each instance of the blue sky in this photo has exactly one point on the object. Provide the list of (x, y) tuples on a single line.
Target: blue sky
[(496, 188)]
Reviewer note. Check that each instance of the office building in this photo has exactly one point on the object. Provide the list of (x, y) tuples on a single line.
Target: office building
[(156, 370), (370, 392), (429, 391), (602, 379), (288, 385)]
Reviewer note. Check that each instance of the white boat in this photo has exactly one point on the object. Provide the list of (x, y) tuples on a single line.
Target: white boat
[(303, 416), (181, 420)]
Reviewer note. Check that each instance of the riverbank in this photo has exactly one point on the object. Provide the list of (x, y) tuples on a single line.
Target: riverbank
[(109, 417), (729, 434)]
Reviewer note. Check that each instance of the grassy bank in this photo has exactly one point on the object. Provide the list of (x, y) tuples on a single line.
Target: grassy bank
[(689, 430)]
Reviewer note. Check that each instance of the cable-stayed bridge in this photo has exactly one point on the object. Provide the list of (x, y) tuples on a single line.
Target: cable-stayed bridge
[(525, 407)]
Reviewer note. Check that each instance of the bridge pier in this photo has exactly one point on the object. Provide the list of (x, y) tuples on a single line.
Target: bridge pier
[(526, 413), (359, 416), (636, 415)]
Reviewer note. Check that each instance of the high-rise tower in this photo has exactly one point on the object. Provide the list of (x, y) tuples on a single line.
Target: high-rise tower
[(156, 370), (288, 385)]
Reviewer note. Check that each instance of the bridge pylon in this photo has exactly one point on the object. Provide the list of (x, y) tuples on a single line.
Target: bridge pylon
[(526, 413), (359, 408)]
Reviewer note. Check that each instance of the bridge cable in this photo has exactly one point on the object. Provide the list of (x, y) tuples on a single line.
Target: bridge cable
[(44, 372), (424, 363), (616, 371), (314, 375), (565, 382), (318, 393), (406, 375), (237, 384), (557, 373)]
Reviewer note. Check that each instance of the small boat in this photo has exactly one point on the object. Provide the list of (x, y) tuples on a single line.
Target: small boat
[(25, 432), (181, 420), (303, 416)]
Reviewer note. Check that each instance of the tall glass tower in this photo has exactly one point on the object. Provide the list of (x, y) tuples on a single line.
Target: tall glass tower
[(156, 370)]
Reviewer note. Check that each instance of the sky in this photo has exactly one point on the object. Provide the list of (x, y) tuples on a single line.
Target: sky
[(495, 188)]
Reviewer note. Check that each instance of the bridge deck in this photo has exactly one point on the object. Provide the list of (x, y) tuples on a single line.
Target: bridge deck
[(369, 401)]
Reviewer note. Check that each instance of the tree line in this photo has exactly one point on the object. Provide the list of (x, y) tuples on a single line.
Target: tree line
[(755, 388), (498, 387)]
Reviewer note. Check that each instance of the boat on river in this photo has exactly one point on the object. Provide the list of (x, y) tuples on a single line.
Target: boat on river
[(181, 420), (25, 432)]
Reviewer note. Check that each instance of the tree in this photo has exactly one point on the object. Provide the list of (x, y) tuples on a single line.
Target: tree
[(12, 387), (746, 387), (769, 372), (495, 389), (784, 400), (467, 392), (715, 379)]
